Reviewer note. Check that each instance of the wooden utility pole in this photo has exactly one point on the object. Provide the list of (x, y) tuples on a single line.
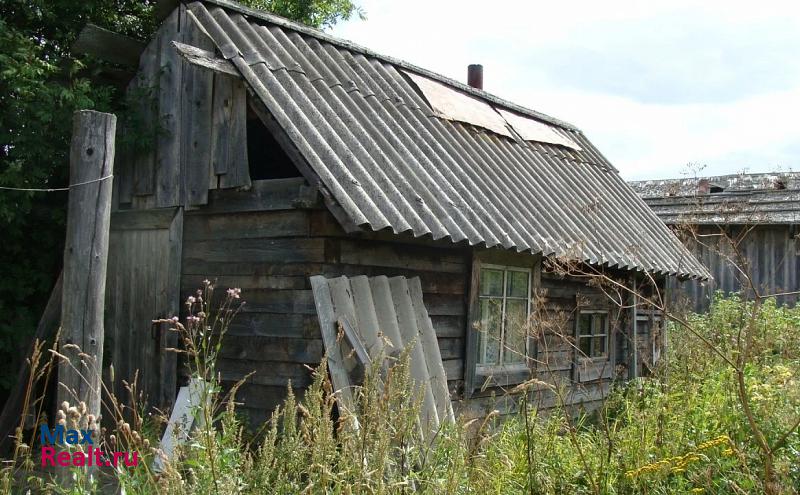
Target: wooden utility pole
[(85, 258)]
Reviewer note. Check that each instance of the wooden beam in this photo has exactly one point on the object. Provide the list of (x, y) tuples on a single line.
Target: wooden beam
[(205, 59), (85, 259), (108, 46)]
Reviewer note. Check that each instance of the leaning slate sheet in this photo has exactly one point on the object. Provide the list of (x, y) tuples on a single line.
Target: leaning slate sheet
[(365, 318)]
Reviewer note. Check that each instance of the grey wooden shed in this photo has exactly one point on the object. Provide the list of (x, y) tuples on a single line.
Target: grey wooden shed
[(739, 226)]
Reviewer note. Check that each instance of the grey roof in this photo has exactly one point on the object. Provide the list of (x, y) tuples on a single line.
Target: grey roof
[(768, 198), (380, 152)]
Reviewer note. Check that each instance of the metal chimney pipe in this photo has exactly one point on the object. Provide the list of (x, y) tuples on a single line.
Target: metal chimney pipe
[(475, 76)]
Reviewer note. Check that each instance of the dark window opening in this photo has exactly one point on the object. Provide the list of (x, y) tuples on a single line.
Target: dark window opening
[(716, 189), (265, 157)]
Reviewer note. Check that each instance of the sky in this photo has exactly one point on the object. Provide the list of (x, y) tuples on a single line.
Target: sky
[(663, 89)]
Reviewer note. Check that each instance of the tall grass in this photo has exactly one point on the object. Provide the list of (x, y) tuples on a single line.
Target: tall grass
[(679, 431)]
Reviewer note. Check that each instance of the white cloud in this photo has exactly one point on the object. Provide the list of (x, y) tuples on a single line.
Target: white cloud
[(655, 85)]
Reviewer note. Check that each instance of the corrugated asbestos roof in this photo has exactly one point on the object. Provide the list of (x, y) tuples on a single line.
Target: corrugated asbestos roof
[(771, 198), (391, 163)]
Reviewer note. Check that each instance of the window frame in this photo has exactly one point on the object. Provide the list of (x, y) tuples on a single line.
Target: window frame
[(474, 382), (606, 355), (481, 368)]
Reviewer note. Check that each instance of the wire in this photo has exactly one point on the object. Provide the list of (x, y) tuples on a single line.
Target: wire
[(55, 189)]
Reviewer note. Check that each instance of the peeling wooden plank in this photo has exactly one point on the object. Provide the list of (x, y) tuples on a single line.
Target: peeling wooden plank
[(168, 154), (196, 127), (145, 92), (205, 59), (232, 144)]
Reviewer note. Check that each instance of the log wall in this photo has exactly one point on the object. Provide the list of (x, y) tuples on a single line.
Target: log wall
[(270, 255)]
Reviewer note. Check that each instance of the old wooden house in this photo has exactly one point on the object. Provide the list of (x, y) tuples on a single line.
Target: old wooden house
[(743, 227), (281, 153)]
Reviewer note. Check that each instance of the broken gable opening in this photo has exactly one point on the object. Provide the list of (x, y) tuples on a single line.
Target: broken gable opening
[(265, 157)]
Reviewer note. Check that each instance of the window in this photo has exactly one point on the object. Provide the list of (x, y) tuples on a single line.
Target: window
[(593, 334), (504, 305), (649, 327)]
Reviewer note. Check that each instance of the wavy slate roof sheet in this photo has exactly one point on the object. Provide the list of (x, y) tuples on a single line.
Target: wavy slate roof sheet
[(390, 162), (771, 198)]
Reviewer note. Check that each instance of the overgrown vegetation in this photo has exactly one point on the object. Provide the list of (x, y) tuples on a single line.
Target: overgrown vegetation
[(679, 431)]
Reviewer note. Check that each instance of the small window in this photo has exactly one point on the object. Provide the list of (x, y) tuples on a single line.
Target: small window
[(649, 325), (504, 299), (593, 334)]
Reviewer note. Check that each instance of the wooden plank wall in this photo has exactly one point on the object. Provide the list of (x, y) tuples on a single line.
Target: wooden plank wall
[(272, 248), (142, 285), (770, 253), (270, 255), (188, 123)]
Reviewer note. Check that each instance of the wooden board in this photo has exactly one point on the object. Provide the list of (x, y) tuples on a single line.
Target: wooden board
[(197, 120), (229, 136), (168, 152)]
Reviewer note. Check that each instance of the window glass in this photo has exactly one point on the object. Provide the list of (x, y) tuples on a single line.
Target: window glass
[(491, 282), (586, 347), (585, 324), (516, 330), (517, 284), (593, 334), (490, 331), (599, 347)]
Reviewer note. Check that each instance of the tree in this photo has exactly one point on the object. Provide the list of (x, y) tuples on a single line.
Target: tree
[(41, 83), (315, 13)]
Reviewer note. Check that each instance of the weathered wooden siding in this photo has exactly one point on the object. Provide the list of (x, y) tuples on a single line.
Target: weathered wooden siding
[(268, 241), (142, 285), (187, 132), (270, 249), (271, 254), (768, 256)]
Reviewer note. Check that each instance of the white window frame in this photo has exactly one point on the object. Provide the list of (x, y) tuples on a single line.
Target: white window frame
[(606, 352), (484, 369)]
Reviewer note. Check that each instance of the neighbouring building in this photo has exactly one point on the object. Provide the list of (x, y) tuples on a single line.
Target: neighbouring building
[(743, 227)]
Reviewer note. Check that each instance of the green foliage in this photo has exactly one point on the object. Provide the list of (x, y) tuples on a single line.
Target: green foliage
[(314, 13), (40, 87)]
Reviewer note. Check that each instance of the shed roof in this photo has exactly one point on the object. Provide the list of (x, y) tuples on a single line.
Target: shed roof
[(390, 161), (766, 198)]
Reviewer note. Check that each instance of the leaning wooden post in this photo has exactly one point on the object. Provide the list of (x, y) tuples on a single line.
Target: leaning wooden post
[(85, 258)]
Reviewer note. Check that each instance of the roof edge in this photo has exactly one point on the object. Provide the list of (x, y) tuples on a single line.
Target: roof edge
[(349, 45)]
